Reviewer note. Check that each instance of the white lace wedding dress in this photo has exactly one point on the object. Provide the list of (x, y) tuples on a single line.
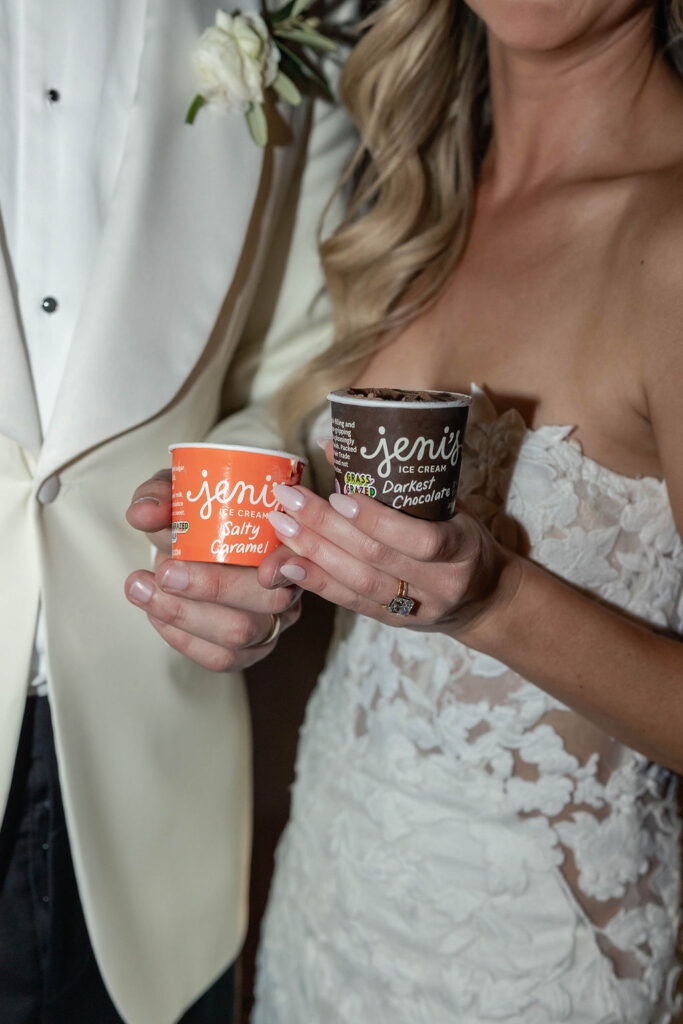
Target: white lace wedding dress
[(463, 847)]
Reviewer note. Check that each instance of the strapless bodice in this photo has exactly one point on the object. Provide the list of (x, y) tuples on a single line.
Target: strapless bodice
[(491, 854), (610, 534)]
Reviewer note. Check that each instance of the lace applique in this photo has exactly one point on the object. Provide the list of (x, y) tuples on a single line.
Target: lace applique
[(461, 841)]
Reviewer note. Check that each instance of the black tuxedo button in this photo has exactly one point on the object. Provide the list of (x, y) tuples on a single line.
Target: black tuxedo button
[(50, 304), (53, 95)]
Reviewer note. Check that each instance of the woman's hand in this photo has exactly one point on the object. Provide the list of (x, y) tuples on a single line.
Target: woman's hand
[(217, 615), (354, 552)]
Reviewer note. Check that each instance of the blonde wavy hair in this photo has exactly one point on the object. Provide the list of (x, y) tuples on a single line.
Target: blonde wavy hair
[(416, 85)]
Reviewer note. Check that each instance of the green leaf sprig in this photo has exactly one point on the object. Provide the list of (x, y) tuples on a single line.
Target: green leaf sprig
[(294, 34)]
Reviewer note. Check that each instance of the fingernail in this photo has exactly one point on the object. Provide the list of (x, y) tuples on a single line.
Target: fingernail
[(344, 505), (322, 442), (293, 572), (176, 577), (146, 498), (287, 496), (283, 524), (141, 590)]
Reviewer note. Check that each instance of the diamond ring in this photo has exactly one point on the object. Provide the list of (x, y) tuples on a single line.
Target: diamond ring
[(401, 604)]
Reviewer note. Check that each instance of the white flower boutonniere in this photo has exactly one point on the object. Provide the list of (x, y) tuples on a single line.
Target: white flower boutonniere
[(241, 56)]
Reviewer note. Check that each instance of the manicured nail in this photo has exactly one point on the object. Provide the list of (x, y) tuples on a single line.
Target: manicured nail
[(322, 442), (293, 572), (287, 496), (146, 499), (141, 590), (283, 524), (176, 577), (344, 505)]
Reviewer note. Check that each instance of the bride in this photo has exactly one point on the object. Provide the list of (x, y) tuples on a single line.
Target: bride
[(484, 821)]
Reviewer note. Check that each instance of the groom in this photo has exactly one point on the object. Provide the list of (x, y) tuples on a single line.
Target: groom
[(153, 277)]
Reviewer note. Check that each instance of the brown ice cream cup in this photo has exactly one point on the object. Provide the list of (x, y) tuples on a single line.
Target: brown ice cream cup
[(402, 448)]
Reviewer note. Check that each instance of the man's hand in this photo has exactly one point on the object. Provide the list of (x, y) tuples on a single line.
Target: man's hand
[(216, 615)]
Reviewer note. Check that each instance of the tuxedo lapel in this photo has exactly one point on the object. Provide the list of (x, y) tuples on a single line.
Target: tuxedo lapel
[(19, 417), (176, 226)]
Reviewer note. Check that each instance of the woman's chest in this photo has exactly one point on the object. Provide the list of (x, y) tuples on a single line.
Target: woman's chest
[(549, 332)]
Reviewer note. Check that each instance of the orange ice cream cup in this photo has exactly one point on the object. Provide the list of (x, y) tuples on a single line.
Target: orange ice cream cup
[(222, 495)]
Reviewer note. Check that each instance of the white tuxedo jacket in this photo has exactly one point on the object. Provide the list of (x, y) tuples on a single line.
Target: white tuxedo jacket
[(204, 274)]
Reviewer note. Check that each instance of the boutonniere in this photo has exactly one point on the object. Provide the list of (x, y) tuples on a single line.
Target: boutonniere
[(242, 56)]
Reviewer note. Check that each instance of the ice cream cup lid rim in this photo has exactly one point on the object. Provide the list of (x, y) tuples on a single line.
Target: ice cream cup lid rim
[(460, 401), (240, 448)]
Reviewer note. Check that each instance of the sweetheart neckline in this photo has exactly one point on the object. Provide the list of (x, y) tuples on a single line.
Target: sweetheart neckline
[(562, 432)]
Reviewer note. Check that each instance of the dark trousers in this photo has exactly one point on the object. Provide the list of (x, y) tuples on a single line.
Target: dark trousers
[(48, 973)]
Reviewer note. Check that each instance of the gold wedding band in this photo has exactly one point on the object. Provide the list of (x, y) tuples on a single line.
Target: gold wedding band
[(400, 604), (273, 632)]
